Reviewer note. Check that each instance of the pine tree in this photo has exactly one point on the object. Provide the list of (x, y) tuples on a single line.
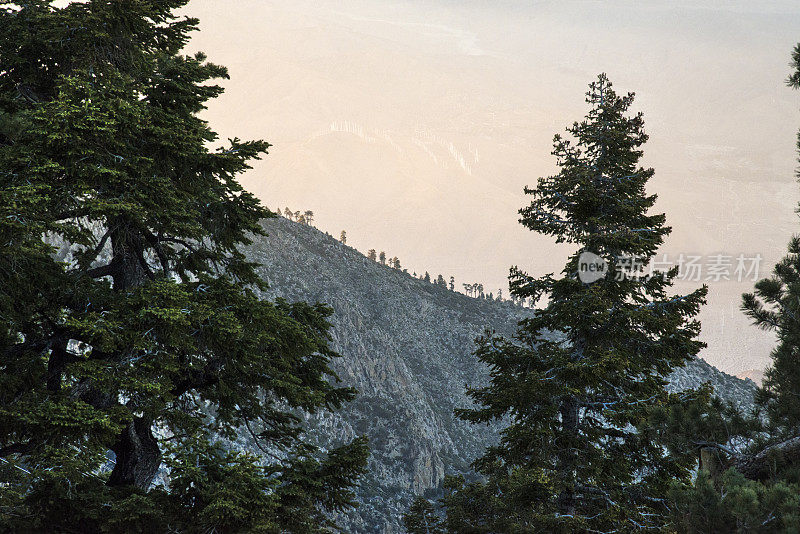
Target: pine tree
[(149, 346), (343, 237), (774, 306), (422, 519), (583, 382), (427, 277), (371, 255), (440, 281), (452, 283), (467, 289), (382, 258), (735, 504)]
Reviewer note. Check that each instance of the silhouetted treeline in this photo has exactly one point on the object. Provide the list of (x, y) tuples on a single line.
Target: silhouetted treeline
[(474, 289)]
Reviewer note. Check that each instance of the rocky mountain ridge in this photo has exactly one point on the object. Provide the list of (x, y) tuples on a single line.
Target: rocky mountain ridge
[(406, 345)]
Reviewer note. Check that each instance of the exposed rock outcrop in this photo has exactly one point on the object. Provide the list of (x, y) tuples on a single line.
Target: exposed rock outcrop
[(407, 347)]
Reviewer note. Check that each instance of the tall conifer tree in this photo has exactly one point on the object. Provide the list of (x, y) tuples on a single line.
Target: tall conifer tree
[(583, 383), (150, 344)]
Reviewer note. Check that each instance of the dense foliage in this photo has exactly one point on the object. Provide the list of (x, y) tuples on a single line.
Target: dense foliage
[(148, 346)]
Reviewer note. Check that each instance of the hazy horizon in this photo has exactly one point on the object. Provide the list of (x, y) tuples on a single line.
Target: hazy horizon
[(414, 126)]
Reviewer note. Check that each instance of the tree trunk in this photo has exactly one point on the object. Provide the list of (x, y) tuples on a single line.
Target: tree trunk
[(138, 456), (762, 465), (569, 424), (711, 461), (56, 365), (137, 450), (759, 466), (127, 246)]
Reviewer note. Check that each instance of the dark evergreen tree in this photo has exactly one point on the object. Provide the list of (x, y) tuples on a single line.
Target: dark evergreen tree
[(382, 258), (467, 289), (452, 283), (427, 277), (583, 382), (440, 281), (422, 518), (734, 503), (775, 306), (371, 255), (150, 344)]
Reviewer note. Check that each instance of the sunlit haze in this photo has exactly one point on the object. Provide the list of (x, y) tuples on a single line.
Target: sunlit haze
[(414, 126)]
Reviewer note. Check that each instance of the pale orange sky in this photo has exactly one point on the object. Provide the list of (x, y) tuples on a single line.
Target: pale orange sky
[(415, 125)]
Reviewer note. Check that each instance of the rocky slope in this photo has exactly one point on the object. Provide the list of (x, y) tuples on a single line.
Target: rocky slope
[(406, 346)]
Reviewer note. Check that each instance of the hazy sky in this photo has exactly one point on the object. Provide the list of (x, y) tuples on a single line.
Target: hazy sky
[(415, 125)]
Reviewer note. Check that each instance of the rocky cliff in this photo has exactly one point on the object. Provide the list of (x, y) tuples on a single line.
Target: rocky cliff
[(407, 347)]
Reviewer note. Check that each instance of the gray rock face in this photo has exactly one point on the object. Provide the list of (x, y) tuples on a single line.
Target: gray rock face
[(407, 347)]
